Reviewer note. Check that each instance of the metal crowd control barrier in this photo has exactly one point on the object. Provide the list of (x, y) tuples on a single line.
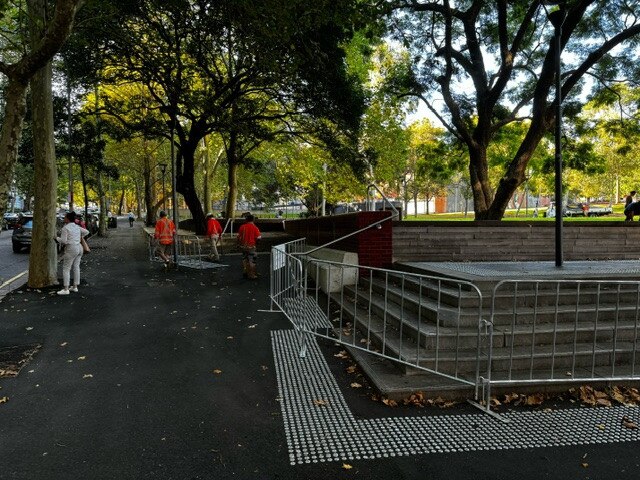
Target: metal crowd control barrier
[(562, 332), (409, 318), (189, 251)]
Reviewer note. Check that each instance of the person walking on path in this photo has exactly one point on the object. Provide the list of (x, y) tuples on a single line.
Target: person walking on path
[(70, 237), (131, 219), (214, 230), (248, 235), (165, 234), (628, 201)]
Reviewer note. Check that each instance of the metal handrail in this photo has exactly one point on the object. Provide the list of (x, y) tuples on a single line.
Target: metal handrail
[(384, 197)]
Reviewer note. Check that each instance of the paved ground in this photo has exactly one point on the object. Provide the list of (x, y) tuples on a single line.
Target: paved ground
[(11, 263), (179, 375)]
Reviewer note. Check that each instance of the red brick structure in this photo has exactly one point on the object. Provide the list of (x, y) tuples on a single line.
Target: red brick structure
[(374, 246)]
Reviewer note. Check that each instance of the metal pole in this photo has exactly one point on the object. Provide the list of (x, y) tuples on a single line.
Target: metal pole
[(557, 19), (324, 190), (163, 169)]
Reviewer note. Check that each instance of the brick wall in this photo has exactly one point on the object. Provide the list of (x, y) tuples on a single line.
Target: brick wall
[(374, 246), (495, 241)]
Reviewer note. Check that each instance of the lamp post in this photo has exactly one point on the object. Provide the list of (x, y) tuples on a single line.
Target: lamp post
[(324, 190), (557, 18), (163, 169)]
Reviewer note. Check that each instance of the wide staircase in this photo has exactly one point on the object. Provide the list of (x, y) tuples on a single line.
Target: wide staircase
[(535, 333)]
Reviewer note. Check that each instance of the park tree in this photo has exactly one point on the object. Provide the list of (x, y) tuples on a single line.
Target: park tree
[(242, 70), (492, 64), (27, 59), (20, 61)]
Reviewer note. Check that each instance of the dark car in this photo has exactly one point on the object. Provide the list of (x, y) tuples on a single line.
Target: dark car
[(22, 233), (21, 237), (10, 220)]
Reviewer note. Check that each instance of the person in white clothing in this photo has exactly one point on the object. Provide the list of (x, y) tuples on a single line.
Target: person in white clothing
[(70, 238)]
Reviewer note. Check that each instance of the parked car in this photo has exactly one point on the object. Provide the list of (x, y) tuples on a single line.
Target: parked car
[(21, 237), (10, 220)]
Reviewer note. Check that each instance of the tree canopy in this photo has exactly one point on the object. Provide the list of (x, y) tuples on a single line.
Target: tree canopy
[(480, 66)]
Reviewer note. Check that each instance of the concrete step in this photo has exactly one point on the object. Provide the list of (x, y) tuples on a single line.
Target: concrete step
[(410, 310), (446, 292), (567, 333), (458, 350), (415, 331), (565, 314), (565, 358)]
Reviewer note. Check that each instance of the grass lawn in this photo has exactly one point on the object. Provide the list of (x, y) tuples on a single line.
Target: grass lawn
[(510, 215)]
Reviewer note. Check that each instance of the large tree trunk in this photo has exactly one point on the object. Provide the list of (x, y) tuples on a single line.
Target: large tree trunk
[(149, 199), (44, 47), (121, 202), (14, 111), (206, 194), (185, 184), (480, 184), (43, 258), (138, 200), (102, 230), (232, 175)]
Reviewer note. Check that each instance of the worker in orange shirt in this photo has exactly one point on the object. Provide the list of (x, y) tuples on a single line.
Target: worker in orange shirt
[(248, 235), (165, 234), (214, 230)]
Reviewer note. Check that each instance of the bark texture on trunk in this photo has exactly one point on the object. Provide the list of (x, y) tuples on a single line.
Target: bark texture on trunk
[(43, 258), (185, 184), (15, 109), (102, 229), (44, 44)]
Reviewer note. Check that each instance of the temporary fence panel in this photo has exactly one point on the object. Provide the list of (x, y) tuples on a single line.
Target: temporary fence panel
[(424, 322), (563, 331)]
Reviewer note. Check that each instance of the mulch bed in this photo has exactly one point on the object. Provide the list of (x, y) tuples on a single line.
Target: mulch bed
[(13, 358)]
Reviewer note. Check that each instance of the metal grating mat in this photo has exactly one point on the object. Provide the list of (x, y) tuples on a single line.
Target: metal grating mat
[(307, 309), (541, 269), (319, 426)]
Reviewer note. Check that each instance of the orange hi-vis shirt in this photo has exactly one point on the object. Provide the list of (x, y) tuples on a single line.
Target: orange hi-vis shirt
[(213, 227), (248, 234), (165, 230)]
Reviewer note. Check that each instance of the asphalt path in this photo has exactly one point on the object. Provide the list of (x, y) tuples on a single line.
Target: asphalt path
[(147, 374), (11, 263)]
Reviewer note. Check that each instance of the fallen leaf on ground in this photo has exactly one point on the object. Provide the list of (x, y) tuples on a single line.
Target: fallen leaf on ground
[(217, 372), (341, 354), (346, 466), (535, 399), (351, 369), (628, 423), (82, 358), (87, 375), (63, 344), (356, 385), (320, 403), (253, 326), (4, 399), (390, 403), (29, 328)]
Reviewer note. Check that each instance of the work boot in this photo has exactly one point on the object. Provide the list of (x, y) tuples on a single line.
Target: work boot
[(252, 273), (245, 268)]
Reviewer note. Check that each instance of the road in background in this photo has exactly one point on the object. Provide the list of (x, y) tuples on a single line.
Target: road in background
[(11, 263)]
